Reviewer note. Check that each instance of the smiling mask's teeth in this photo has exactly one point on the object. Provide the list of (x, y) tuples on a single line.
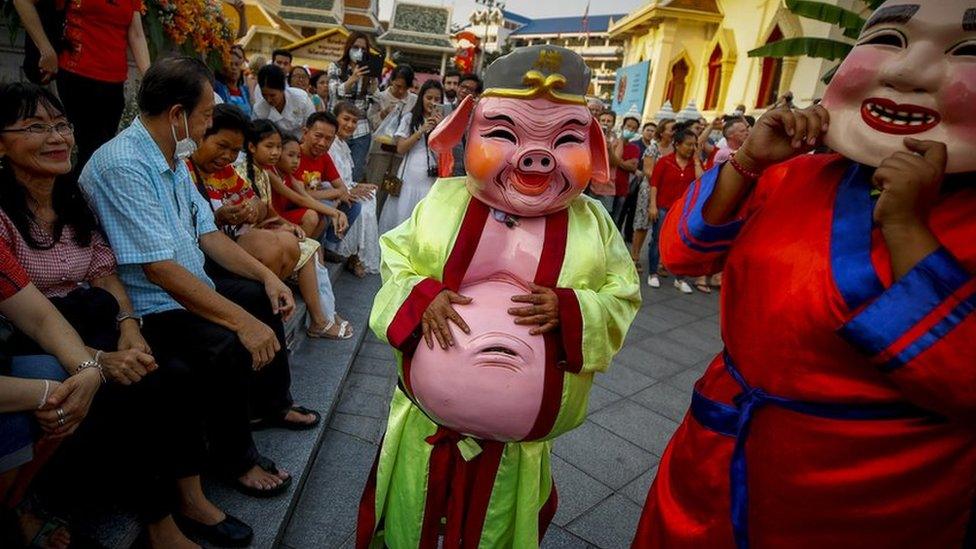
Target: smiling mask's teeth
[(900, 118)]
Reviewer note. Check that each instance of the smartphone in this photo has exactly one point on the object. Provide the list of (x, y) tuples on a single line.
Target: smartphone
[(375, 65)]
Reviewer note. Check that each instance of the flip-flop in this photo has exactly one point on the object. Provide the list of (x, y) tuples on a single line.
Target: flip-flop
[(703, 288), (279, 422), (269, 467)]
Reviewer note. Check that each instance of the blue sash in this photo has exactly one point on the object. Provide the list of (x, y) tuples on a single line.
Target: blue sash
[(734, 421)]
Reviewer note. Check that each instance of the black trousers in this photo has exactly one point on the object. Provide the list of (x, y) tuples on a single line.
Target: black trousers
[(94, 107), (626, 220), (270, 387), (136, 440), (230, 391)]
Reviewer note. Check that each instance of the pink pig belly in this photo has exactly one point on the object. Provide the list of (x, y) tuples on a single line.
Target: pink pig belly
[(490, 384)]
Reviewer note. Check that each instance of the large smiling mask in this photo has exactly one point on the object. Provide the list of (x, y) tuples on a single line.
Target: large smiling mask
[(531, 145), (911, 74)]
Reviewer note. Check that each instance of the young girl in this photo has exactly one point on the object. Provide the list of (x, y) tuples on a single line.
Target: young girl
[(264, 154), (419, 162)]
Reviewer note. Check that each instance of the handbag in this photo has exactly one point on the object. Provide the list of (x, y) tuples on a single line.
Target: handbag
[(392, 184)]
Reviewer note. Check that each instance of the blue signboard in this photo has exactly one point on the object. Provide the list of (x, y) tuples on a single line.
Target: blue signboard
[(631, 88)]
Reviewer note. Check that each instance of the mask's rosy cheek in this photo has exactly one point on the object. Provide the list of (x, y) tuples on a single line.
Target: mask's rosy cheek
[(956, 101), (856, 78), (575, 163), (484, 158)]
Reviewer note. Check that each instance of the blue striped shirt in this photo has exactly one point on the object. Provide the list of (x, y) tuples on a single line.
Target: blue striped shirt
[(149, 211)]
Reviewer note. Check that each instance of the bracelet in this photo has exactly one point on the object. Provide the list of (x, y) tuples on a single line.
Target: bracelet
[(750, 175), (47, 392), (92, 364)]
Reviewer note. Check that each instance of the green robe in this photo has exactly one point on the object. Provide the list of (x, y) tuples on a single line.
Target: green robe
[(510, 497)]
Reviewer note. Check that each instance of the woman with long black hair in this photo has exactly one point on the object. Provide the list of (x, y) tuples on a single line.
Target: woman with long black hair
[(418, 169), (350, 80), (143, 436)]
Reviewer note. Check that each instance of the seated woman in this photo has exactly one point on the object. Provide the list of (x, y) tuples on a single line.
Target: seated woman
[(243, 208), (39, 403), (47, 223)]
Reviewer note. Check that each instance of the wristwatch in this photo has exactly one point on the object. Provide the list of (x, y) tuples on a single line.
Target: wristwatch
[(126, 316)]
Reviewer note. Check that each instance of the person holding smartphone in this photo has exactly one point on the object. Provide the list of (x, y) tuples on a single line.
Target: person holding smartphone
[(418, 171), (352, 79)]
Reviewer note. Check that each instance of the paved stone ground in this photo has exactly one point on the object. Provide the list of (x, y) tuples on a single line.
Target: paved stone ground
[(603, 469)]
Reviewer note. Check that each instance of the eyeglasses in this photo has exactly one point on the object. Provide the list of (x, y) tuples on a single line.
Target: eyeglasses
[(63, 128)]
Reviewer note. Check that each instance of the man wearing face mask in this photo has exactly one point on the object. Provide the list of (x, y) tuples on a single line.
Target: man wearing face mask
[(163, 232)]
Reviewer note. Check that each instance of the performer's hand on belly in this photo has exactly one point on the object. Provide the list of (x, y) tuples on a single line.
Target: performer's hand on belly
[(434, 322), (544, 311)]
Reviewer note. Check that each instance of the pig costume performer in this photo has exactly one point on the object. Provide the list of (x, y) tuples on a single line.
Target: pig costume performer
[(465, 458), (842, 412)]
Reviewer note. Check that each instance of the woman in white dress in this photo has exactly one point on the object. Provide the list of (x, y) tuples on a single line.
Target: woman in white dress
[(361, 243), (419, 167)]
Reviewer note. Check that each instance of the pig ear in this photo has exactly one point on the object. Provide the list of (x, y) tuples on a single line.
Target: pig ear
[(448, 133), (598, 154)]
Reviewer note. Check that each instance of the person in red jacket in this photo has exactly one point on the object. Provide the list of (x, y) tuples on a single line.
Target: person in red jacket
[(841, 412)]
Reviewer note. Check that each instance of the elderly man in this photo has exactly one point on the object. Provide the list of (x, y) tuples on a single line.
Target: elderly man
[(163, 232), (735, 132)]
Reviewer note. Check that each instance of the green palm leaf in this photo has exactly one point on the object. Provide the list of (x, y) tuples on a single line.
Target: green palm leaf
[(824, 48), (820, 11)]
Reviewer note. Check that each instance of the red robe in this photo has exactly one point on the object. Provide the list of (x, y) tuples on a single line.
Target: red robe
[(853, 419)]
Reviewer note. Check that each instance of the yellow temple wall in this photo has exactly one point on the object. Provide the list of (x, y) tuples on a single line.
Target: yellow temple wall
[(746, 25)]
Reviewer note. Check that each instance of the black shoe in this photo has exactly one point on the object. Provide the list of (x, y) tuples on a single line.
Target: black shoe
[(230, 532)]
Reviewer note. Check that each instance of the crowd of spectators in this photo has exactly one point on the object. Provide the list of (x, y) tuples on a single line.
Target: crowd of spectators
[(148, 272), (653, 164), (146, 283)]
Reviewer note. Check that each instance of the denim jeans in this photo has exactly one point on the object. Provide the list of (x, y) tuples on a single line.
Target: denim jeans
[(18, 429), (359, 147), (653, 246)]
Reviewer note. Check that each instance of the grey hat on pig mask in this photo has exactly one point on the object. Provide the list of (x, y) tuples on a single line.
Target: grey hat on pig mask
[(534, 71)]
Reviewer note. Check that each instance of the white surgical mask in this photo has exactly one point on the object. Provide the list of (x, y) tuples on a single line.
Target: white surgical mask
[(184, 147), (355, 55), (628, 135)]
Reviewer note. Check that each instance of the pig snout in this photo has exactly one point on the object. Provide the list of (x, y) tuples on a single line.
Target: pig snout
[(536, 161)]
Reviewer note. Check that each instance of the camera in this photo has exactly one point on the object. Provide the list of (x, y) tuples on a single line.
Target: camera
[(432, 171)]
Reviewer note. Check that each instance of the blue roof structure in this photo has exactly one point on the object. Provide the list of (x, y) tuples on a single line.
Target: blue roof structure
[(516, 18), (567, 25)]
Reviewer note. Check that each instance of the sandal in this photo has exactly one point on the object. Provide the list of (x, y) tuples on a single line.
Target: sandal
[(703, 288), (279, 422), (355, 266), (269, 467), (345, 331)]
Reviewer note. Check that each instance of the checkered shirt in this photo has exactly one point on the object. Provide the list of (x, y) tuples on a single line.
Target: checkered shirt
[(149, 211), (65, 266)]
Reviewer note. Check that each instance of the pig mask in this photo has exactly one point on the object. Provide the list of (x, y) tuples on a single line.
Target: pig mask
[(912, 73), (531, 147)]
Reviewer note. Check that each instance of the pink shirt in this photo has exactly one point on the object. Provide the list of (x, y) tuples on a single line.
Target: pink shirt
[(61, 269)]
